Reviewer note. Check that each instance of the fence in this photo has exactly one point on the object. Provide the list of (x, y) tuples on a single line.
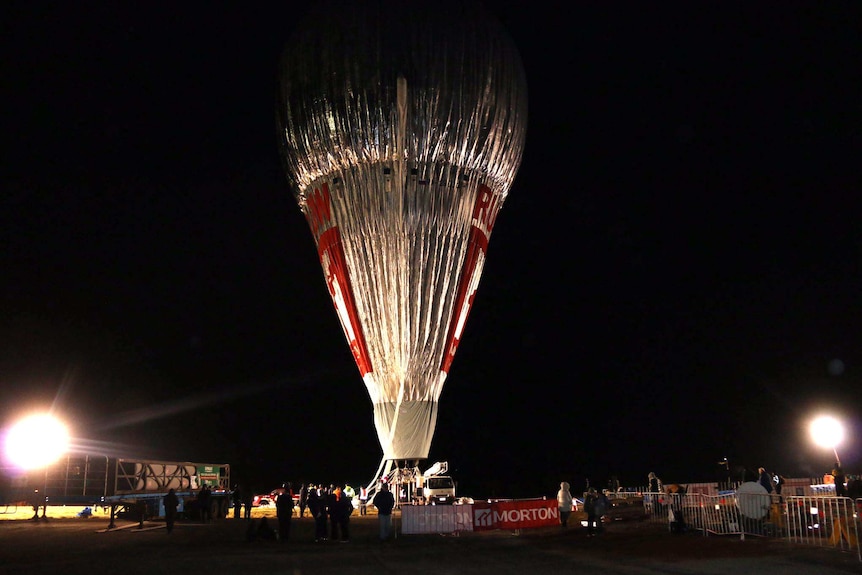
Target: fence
[(825, 521)]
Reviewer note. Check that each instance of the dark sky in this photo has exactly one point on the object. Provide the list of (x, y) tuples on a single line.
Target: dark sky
[(673, 279)]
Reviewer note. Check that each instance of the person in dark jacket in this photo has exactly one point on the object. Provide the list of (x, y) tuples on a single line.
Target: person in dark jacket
[(171, 502), (204, 504), (237, 501), (247, 501), (765, 479), (384, 501), (284, 512), (317, 508), (340, 508), (303, 500), (839, 478), (590, 498)]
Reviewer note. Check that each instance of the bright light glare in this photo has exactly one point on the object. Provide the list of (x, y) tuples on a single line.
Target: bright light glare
[(827, 432), (36, 441)]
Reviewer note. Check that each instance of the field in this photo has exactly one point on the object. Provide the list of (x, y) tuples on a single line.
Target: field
[(66, 544)]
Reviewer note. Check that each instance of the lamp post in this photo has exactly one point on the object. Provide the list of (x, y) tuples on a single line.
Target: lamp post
[(827, 432)]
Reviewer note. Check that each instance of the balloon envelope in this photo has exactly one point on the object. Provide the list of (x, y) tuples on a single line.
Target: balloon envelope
[(402, 128)]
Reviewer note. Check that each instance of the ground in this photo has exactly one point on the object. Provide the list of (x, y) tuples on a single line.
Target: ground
[(74, 546)]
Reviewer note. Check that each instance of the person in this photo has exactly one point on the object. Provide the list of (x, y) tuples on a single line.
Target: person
[(349, 491), (590, 508), (204, 503), (303, 499), (778, 479), (384, 501), (340, 508), (602, 505), (765, 479), (655, 485), (840, 479), (237, 502), (86, 513), (363, 500), (284, 512), (171, 502), (263, 531), (247, 501), (317, 508), (564, 503)]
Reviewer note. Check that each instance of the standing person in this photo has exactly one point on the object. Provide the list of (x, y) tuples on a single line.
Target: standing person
[(171, 502), (590, 508), (564, 503), (657, 489), (839, 478), (204, 503), (363, 500), (237, 502), (340, 508), (317, 508), (764, 479), (247, 501), (303, 499), (601, 507), (779, 485), (384, 501), (284, 512), (655, 485)]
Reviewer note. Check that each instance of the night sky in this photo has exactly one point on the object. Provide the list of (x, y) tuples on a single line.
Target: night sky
[(674, 277)]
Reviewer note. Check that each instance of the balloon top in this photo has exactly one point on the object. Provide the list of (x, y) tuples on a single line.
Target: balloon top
[(404, 87)]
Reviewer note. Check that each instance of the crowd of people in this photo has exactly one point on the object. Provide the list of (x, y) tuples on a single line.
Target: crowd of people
[(329, 506)]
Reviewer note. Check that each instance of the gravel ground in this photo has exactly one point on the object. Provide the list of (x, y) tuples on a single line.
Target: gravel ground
[(73, 546)]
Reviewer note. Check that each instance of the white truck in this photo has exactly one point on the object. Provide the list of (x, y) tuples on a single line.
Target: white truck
[(438, 488)]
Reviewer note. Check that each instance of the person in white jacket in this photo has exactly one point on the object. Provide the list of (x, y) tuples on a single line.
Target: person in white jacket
[(564, 502)]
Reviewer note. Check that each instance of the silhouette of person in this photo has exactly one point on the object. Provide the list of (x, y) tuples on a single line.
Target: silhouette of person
[(340, 508), (564, 503), (655, 485), (779, 485), (248, 500), (839, 478), (601, 507), (317, 508), (171, 502), (265, 530), (765, 479), (237, 502), (384, 501), (284, 512), (590, 498), (303, 499)]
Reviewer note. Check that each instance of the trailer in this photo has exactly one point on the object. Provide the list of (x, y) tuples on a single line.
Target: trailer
[(130, 487)]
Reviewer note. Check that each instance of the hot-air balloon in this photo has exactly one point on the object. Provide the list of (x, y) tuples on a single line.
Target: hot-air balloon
[(401, 128)]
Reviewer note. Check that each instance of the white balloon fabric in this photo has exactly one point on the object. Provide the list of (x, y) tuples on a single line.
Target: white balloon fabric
[(402, 128)]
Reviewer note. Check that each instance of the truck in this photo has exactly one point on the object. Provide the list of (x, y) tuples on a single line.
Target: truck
[(130, 487), (438, 488)]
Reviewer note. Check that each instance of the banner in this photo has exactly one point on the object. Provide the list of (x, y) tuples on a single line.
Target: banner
[(417, 519), (480, 516)]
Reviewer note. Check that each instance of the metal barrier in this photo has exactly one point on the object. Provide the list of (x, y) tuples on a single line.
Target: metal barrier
[(824, 522), (810, 520)]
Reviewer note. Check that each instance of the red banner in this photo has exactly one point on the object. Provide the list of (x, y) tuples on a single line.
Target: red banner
[(515, 514)]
